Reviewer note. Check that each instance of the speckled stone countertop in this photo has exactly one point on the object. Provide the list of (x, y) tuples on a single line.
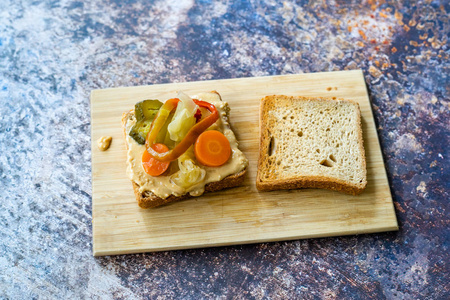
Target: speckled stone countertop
[(54, 53)]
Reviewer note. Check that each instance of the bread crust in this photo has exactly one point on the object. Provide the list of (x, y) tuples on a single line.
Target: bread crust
[(149, 200), (322, 182)]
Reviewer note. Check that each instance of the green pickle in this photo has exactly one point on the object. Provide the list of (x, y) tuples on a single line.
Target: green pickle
[(145, 111), (139, 131)]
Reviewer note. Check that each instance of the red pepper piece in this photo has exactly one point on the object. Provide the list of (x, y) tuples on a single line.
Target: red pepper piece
[(198, 115)]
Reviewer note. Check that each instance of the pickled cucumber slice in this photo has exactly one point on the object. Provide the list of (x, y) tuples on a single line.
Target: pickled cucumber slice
[(144, 111), (140, 130), (147, 109)]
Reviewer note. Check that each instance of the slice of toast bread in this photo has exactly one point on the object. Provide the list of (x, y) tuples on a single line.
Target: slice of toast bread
[(148, 199), (310, 142)]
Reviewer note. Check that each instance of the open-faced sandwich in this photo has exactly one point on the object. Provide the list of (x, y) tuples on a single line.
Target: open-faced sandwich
[(181, 148)]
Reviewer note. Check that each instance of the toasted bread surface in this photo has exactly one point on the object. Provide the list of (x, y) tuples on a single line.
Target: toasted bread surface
[(148, 199), (310, 142)]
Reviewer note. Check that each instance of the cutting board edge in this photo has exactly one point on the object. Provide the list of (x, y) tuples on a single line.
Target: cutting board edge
[(99, 252), (268, 77), (372, 115)]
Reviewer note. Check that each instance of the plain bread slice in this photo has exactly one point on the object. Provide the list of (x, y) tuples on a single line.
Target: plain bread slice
[(311, 143)]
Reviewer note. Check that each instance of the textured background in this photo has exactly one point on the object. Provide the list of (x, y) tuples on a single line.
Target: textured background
[(53, 53)]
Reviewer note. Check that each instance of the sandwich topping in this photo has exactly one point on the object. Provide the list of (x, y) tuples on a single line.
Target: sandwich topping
[(180, 146), (189, 137)]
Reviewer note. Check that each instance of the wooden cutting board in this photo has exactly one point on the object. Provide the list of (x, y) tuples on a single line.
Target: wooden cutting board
[(239, 215)]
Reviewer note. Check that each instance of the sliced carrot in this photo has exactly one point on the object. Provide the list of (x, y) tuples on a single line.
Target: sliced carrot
[(212, 148), (152, 166)]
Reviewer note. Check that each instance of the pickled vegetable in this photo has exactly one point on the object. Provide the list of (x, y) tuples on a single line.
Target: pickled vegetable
[(144, 111), (139, 131), (189, 138), (189, 174), (147, 109), (152, 166), (164, 136), (212, 148), (184, 118)]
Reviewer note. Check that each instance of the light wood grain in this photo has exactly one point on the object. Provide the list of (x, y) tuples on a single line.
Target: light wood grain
[(239, 215)]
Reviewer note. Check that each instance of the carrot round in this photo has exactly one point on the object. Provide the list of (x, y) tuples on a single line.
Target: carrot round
[(152, 166), (212, 148)]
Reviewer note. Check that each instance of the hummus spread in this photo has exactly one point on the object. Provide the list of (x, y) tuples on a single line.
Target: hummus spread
[(163, 186), (104, 142)]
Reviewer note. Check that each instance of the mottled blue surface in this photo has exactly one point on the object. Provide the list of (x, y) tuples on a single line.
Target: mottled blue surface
[(53, 53)]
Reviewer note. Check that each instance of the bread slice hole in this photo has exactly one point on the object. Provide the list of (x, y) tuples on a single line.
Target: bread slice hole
[(318, 150), (272, 146), (326, 163), (300, 133), (332, 158)]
